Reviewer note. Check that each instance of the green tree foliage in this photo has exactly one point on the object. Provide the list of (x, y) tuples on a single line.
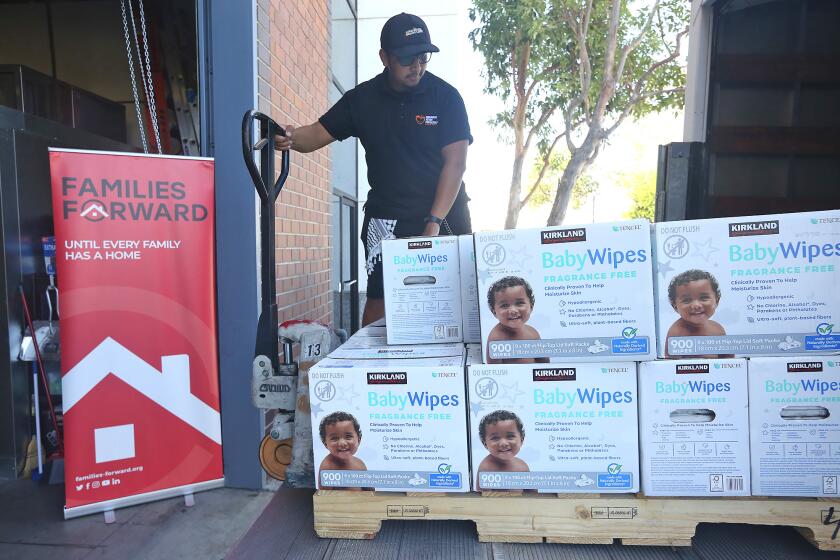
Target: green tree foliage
[(642, 186), (543, 194), (572, 71)]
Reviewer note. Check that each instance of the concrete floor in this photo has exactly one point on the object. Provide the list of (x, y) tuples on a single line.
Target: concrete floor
[(244, 525), (32, 526)]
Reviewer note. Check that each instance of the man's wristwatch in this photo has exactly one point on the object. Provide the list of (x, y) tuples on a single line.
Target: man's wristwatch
[(431, 218)]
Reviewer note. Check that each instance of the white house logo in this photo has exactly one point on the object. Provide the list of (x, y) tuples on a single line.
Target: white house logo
[(675, 246), (325, 391), (493, 254), (94, 211), (486, 388), (169, 388)]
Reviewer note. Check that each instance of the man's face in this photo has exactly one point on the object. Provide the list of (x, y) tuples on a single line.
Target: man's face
[(503, 439), (341, 439), (696, 301), (512, 307), (403, 78)]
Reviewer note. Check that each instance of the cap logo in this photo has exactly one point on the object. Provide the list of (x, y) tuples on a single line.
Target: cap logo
[(413, 31)]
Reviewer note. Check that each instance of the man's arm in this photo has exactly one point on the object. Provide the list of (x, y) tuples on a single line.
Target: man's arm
[(449, 182), (304, 139)]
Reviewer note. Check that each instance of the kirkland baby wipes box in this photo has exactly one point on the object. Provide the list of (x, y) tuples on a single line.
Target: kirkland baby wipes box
[(795, 425), (395, 425), (554, 428), (566, 293), (469, 290), (422, 290), (748, 286), (694, 428)]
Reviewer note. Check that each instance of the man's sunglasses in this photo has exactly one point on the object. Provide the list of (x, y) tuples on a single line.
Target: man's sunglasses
[(423, 58)]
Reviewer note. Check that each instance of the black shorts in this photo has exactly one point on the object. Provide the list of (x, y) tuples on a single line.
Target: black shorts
[(376, 230)]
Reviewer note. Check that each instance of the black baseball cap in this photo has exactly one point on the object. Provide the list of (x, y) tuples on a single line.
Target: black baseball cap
[(406, 34)]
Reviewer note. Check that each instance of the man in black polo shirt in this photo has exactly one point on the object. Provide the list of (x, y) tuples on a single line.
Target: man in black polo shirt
[(415, 132)]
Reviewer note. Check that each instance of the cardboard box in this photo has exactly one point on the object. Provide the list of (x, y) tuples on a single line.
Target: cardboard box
[(795, 425), (580, 423), (370, 331), (411, 417), (375, 348), (473, 354), (694, 428), (592, 293), (776, 278), (469, 290), (421, 277), (378, 323)]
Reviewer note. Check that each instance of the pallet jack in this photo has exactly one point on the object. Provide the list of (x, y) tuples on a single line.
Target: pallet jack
[(274, 384)]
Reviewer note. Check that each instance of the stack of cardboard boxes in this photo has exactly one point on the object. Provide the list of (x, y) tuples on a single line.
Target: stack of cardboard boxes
[(559, 388)]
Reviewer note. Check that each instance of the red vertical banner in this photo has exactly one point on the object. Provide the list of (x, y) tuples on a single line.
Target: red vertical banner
[(139, 362)]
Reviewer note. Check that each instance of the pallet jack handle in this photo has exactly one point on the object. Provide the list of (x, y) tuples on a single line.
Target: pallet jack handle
[(268, 190)]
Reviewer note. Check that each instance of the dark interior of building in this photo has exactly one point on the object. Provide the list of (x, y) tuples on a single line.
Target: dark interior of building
[(773, 121), (66, 81)]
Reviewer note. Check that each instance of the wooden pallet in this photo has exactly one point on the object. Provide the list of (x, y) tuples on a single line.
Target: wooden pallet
[(630, 519)]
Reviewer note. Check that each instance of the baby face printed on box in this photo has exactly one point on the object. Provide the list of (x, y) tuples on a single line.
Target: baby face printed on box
[(566, 293), (748, 286), (554, 428), (390, 424)]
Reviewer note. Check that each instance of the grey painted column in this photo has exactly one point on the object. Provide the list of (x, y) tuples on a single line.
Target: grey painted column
[(227, 50)]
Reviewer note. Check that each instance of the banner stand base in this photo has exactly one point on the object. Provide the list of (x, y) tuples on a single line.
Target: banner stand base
[(109, 506)]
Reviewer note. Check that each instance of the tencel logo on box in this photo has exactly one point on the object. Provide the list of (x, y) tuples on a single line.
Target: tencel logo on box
[(742, 229), (555, 374), (387, 378), (420, 244), (627, 227), (692, 368), (804, 367), (563, 236)]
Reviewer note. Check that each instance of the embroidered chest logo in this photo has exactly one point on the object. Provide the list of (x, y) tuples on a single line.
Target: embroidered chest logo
[(428, 120)]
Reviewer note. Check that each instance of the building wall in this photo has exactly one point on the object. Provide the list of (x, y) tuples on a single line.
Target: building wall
[(293, 54), (697, 83)]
